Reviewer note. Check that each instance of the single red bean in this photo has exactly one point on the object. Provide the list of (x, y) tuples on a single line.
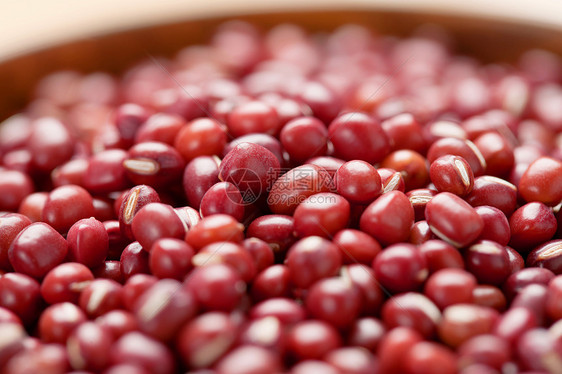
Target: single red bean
[(261, 252), (10, 226), (128, 119), (101, 296), (533, 297), (421, 233), (37, 249), (356, 136), (274, 281), (155, 221), (489, 296), (199, 175), (215, 228), (494, 192), (311, 259), (548, 256), (412, 310), (50, 143), (513, 323), (286, 311), (160, 127), (223, 198), (134, 287), (65, 283), (450, 286), (458, 147), (441, 255), (163, 308), (323, 102), (118, 322), (252, 117), (328, 163), (14, 187), (88, 242), (322, 214), (200, 137), (170, 258), (32, 206), (21, 294), (227, 253), (453, 220), (105, 172), (247, 359), (137, 348), (277, 230), (65, 205), (400, 268), (393, 349), (312, 339), (366, 332), (71, 172), (88, 347), (413, 167), (389, 218), (419, 199), (486, 349), (430, 357), (109, 270), (304, 138), (356, 246), (153, 163), (58, 320), (496, 226), (531, 225), (524, 277), (534, 347), (352, 360), (453, 174), (133, 200), (488, 261), (404, 132), (134, 260), (391, 180), (358, 181), (461, 322), (542, 181), (497, 152)]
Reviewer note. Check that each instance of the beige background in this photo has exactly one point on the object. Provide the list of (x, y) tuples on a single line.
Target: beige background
[(27, 25)]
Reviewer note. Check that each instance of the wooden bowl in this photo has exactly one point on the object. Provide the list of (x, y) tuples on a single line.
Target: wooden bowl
[(489, 30)]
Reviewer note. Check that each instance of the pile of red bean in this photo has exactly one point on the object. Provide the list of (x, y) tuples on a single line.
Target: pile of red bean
[(287, 203)]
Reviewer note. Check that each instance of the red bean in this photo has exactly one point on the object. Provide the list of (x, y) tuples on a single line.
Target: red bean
[(429, 357), (139, 349), (322, 214), (58, 320), (453, 220), (401, 268), (200, 137), (461, 322), (170, 258), (133, 200), (215, 228), (458, 147), (452, 174), (88, 347), (10, 226), (450, 286), (411, 165), (65, 283), (542, 181), (252, 117), (101, 296), (548, 256), (358, 181), (50, 144), (440, 255), (21, 294), (227, 253), (155, 221), (88, 242), (494, 192), (223, 198), (274, 281), (532, 224), (199, 175), (389, 218), (356, 246), (312, 339), (411, 310), (14, 187), (304, 138), (105, 172)]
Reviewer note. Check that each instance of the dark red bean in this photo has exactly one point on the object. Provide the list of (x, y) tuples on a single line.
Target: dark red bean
[(356, 136), (105, 172), (227, 253), (103, 209), (58, 320), (441, 255), (200, 137), (153, 163), (421, 233), (391, 180), (531, 225), (37, 249), (160, 127), (515, 259), (496, 226), (118, 322), (430, 357), (275, 229), (101, 296), (250, 167), (252, 117), (155, 221), (494, 192), (223, 198), (50, 144), (216, 287), (452, 174), (44, 358), (404, 132), (163, 308), (249, 359), (497, 152), (215, 228), (10, 226), (524, 277), (513, 323), (553, 305), (267, 141), (206, 338), (389, 218), (20, 294), (128, 119), (261, 252), (411, 310), (134, 260), (304, 138), (322, 214), (14, 187), (65, 283), (358, 181), (419, 199), (65, 205), (548, 256), (274, 281), (199, 175), (450, 286), (311, 259), (366, 332), (139, 349), (458, 147), (286, 311), (394, 347), (296, 185), (170, 258), (485, 349), (453, 220), (325, 293), (356, 246), (461, 322), (71, 172), (490, 296), (533, 297), (88, 242), (411, 165), (110, 270), (352, 360), (133, 200), (88, 347), (401, 268), (542, 181), (32, 206), (328, 163), (488, 261), (534, 349), (134, 287), (312, 339)]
